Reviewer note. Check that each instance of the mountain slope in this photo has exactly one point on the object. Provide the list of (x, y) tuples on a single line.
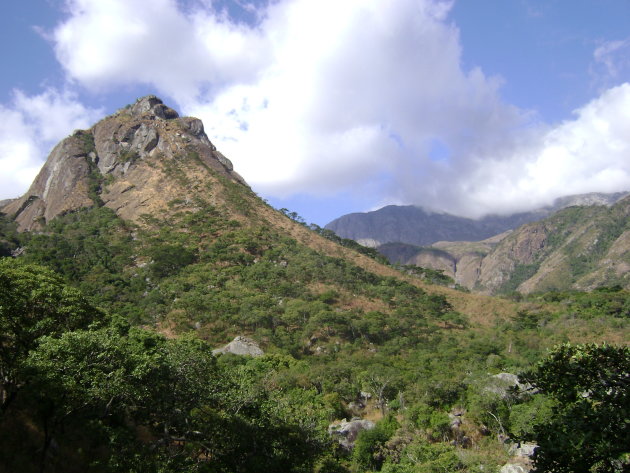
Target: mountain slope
[(134, 162), (575, 248)]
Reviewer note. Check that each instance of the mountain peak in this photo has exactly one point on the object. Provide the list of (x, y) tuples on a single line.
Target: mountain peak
[(152, 106), (134, 161)]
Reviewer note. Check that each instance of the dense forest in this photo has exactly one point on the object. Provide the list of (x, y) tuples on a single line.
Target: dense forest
[(106, 357)]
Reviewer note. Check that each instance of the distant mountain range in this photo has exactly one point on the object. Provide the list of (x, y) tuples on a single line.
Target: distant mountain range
[(417, 226), (580, 242)]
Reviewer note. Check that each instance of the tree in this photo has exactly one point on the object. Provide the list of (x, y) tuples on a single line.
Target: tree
[(34, 302), (588, 430)]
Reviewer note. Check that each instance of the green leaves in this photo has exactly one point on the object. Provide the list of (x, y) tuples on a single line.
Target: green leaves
[(590, 423), (34, 303)]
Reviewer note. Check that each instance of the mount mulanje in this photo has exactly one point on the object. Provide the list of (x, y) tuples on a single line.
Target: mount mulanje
[(580, 242)]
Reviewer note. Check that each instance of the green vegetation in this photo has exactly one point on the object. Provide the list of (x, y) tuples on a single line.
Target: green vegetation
[(81, 391), (521, 273), (587, 429), (91, 384), (9, 237)]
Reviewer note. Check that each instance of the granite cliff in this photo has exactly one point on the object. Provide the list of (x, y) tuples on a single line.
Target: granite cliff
[(134, 161)]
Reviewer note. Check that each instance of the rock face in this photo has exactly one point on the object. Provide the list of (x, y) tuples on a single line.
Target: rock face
[(522, 456), (240, 346), (502, 383), (515, 468), (122, 162), (346, 432)]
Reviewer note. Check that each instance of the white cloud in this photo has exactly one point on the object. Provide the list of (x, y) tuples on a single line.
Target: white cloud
[(30, 127), (116, 42), (332, 96), (586, 154)]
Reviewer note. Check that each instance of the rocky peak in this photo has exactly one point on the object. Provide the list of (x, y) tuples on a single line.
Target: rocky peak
[(134, 161), (152, 107)]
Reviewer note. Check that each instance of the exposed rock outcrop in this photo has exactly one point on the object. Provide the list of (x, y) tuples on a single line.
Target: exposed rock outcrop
[(122, 162), (346, 432), (241, 346), (503, 383)]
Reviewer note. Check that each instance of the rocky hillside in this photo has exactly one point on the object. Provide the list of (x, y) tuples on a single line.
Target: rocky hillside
[(417, 226), (581, 247), (133, 162)]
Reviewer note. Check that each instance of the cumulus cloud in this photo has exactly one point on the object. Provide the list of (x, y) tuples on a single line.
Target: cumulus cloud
[(327, 97), (589, 153), (30, 127), (104, 44)]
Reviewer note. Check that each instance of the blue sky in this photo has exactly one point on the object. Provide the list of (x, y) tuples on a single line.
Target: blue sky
[(329, 107)]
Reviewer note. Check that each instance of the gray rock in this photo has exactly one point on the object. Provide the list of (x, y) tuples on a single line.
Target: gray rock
[(225, 161), (58, 188), (240, 346), (523, 450), (515, 468), (145, 139), (153, 106), (346, 432), (501, 384)]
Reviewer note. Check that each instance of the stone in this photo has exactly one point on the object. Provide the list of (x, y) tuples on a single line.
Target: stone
[(145, 139), (514, 468), (523, 450), (502, 383), (240, 346), (346, 432)]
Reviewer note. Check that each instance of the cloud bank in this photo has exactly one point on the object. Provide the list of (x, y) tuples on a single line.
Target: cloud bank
[(330, 97)]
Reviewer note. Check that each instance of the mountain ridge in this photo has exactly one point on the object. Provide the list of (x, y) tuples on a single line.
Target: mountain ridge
[(417, 226), (578, 247)]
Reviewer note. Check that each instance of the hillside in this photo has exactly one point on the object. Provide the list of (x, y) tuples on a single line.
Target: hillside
[(575, 248), (138, 250)]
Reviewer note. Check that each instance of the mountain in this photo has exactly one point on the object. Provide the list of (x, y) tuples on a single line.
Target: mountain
[(138, 253), (416, 226), (580, 247), (124, 162)]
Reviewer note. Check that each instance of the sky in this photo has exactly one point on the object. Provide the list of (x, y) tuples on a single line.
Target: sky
[(328, 107)]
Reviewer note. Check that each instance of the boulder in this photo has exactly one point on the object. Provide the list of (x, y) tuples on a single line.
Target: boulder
[(346, 432), (154, 107), (501, 384), (514, 468), (240, 346), (523, 450)]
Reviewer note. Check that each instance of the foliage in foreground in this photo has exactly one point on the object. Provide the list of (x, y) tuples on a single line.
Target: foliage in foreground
[(84, 392), (589, 424)]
